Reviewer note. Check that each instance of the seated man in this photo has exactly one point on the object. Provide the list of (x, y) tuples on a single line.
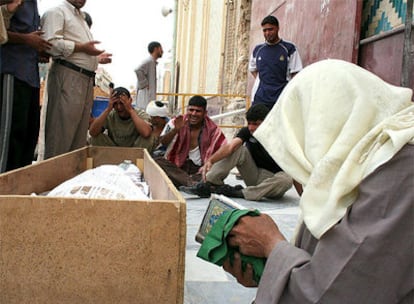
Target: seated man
[(346, 136), (193, 138), (259, 171), (125, 126), (159, 118)]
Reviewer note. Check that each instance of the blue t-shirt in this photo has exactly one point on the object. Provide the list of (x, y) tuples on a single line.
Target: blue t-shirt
[(272, 62), (21, 60), (259, 154)]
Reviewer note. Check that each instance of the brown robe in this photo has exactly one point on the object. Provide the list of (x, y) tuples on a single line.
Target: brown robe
[(368, 257)]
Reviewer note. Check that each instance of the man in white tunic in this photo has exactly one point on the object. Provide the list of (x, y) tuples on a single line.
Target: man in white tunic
[(147, 76)]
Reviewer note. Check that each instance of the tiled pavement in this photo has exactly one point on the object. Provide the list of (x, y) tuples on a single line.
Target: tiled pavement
[(206, 283)]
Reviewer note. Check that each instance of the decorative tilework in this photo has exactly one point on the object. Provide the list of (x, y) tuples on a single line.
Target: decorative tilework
[(380, 16)]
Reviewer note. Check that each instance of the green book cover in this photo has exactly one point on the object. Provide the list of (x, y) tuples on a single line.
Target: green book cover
[(217, 206)]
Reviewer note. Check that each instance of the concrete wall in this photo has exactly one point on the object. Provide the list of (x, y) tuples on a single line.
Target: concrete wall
[(200, 45)]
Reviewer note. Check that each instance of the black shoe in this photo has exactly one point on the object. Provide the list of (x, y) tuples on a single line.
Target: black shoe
[(230, 191), (200, 189)]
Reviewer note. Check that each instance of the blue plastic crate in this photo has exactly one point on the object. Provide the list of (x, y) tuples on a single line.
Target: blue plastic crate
[(99, 105)]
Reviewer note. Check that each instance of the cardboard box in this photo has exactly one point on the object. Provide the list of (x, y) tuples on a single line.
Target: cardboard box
[(68, 250)]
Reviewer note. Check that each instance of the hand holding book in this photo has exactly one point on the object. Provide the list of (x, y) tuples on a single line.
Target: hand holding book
[(221, 215)]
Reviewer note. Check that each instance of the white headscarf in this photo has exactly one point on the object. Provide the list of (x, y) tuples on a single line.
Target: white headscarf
[(333, 125)]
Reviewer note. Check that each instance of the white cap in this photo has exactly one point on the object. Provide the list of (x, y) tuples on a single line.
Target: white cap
[(157, 108)]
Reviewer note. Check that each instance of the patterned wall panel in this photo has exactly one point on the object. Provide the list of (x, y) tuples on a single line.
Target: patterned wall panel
[(379, 16)]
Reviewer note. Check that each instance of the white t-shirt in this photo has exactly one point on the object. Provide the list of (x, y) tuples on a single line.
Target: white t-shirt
[(195, 156)]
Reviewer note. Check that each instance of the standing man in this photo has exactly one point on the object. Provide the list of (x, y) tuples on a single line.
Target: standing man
[(259, 171), (20, 109), (7, 11), (147, 76), (71, 77), (191, 140), (275, 62), (8, 8)]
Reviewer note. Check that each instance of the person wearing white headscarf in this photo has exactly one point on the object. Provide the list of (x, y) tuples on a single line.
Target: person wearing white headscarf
[(348, 138)]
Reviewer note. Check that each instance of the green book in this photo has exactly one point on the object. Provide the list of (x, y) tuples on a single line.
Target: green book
[(217, 206)]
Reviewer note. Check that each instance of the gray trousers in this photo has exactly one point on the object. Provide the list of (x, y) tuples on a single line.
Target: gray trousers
[(70, 97), (260, 182)]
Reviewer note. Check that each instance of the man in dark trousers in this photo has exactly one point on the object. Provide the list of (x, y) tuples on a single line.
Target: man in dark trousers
[(21, 87)]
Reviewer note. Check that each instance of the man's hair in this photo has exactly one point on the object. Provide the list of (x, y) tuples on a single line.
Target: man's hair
[(198, 101), (152, 45), (257, 112), (121, 90), (270, 20)]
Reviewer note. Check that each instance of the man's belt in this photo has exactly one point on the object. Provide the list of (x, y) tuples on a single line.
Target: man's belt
[(74, 67)]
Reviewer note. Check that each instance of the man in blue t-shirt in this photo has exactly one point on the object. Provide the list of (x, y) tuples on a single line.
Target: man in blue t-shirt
[(275, 62), (261, 174)]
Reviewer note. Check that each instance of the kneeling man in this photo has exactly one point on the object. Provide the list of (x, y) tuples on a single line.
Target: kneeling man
[(124, 125)]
